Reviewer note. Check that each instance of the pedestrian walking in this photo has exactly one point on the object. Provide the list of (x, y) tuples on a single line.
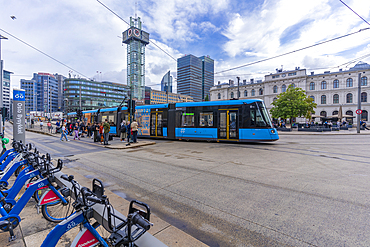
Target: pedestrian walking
[(134, 129), (106, 127), (76, 132), (123, 131), (41, 124), (64, 133), (32, 123), (49, 126)]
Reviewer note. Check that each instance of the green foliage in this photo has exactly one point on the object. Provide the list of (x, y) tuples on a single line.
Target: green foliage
[(293, 103), (206, 98)]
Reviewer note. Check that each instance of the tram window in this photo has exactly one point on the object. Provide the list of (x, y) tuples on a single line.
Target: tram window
[(188, 119), (206, 119)]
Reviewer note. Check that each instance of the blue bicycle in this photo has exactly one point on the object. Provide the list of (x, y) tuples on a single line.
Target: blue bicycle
[(10, 214), (124, 235)]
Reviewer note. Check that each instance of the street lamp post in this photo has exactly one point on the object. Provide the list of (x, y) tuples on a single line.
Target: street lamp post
[(1, 81)]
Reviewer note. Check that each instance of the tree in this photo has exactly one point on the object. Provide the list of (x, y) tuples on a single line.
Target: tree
[(293, 103), (206, 98)]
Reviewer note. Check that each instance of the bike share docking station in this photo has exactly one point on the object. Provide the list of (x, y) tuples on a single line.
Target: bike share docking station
[(101, 216)]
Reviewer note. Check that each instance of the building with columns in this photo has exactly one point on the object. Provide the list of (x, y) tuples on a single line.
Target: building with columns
[(329, 90)]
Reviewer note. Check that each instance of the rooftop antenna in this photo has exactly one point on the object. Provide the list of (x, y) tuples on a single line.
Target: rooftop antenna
[(135, 10)]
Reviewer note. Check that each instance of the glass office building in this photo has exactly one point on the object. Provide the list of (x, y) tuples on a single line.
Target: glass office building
[(166, 83), (92, 94), (195, 76), (6, 88), (41, 93)]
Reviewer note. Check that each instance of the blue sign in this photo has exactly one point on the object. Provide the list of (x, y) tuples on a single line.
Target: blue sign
[(19, 95)]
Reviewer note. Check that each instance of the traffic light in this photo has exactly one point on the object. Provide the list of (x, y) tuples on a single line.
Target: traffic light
[(4, 112), (79, 114)]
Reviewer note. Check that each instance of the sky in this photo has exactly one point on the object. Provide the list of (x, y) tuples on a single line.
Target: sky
[(85, 36)]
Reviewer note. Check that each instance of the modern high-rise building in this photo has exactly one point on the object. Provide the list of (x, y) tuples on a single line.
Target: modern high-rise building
[(41, 93), (166, 83), (6, 88), (195, 76), (136, 40), (92, 94)]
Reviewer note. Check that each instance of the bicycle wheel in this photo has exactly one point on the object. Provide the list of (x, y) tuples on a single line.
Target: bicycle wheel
[(19, 169), (56, 211)]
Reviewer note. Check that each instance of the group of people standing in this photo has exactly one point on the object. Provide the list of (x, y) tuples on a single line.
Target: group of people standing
[(128, 130), (100, 131)]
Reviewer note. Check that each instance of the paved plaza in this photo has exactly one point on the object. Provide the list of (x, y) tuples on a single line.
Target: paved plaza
[(303, 190)]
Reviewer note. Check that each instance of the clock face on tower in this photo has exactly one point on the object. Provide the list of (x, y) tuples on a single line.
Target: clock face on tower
[(129, 32), (136, 32)]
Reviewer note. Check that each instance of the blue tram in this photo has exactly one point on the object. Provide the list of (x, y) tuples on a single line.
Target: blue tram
[(245, 120)]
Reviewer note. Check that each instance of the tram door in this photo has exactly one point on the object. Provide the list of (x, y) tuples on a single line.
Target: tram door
[(228, 125), (156, 128)]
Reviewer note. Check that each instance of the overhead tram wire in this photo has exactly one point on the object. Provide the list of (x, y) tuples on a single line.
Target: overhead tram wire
[(355, 12), (284, 54), (129, 25), (56, 60)]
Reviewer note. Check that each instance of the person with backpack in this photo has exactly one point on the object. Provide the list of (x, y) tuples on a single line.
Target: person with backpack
[(123, 131)]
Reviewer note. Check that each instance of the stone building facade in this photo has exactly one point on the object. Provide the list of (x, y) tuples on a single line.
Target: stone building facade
[(329, 90)]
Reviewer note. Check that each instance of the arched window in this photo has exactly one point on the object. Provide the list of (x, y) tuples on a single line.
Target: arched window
[(219, 96), (275, 89), (364, 81), (245, 93), (293, 85), (349, 82), (364, 115), (349, 113), (335, 99), (363, 97), (261, 91), (335, 84), (323, 85), (312, 86), (232, 95), (323, 99), (253, 92), (349, 98), (335, 112), (323, 113), (312, 97), (283, 88)]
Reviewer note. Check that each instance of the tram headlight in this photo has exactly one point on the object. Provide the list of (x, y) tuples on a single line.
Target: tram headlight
[(272, 131)]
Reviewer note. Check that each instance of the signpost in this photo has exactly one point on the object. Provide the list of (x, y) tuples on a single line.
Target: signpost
[(19, 128), (359, 111)]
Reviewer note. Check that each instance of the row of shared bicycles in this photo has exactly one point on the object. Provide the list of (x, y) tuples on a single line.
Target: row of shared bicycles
[(23, 170)]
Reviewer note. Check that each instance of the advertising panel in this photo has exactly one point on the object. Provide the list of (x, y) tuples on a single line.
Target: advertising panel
[(143, 120)]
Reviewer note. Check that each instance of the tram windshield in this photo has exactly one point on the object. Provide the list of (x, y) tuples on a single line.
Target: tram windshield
[(262, 116)]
